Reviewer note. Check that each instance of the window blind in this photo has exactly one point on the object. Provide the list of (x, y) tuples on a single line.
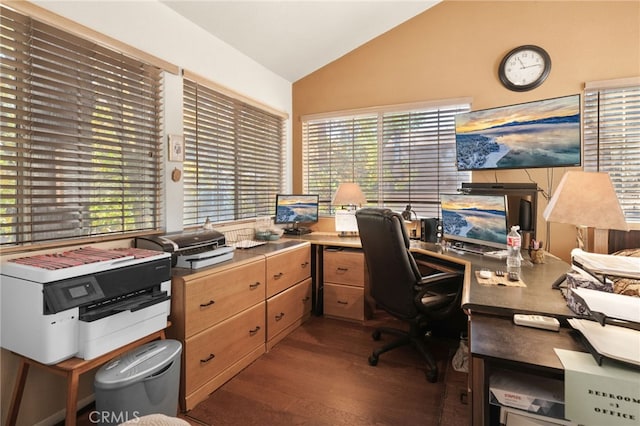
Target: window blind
[(398, 156), (234, 157), (80, 152), (612, 138)]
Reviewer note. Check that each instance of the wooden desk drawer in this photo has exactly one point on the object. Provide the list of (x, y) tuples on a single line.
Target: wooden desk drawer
[(214, 298), (212, 351), (287, 307), (344, 301), (344, 267), (288, 268)]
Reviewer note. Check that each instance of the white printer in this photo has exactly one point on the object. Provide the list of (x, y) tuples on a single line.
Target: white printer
[(83, 302)]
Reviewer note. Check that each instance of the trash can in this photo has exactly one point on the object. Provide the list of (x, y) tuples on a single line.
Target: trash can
[(141, 381)]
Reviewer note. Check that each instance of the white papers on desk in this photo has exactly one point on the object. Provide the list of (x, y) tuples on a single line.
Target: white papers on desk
[(346, 221), (610, 341), (612, 305), (623, 266)]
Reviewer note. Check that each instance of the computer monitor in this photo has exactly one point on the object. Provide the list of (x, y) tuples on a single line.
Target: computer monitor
[(296, 209), (475, 222)]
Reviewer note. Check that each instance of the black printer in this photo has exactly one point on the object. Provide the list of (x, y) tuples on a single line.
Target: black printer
[(193, 249)]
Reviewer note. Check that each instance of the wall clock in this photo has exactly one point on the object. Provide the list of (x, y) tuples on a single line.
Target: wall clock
[(524, 68)]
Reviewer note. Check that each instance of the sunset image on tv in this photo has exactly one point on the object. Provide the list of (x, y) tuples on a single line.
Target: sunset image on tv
[(535, 134)]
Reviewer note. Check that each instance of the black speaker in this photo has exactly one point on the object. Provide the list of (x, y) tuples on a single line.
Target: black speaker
[(430, 230), (524, 215)]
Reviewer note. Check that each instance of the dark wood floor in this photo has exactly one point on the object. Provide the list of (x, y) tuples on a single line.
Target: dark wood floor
[(319, 375)]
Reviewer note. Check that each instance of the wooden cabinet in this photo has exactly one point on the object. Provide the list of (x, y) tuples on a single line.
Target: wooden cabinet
[(287, 310), (344, 283), (224, 314), (288, 291), (219, 315), (288, 267)]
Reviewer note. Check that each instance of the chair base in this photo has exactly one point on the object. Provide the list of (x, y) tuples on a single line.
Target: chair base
[(413, 337)]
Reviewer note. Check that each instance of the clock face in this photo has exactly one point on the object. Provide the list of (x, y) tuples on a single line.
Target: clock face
[(525, 68)]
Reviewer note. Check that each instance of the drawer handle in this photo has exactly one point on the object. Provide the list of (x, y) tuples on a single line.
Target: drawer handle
[(279, 316), (254, 286), (306, 299), (209, 303), (342, 269), (254, 331), (304, 265), (342, 302), (207, 359), (278, 275)]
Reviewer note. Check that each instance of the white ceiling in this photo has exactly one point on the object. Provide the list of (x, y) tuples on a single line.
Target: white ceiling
[(295, 38)]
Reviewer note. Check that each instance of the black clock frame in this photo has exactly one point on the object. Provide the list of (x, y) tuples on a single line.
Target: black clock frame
[(545, 73)]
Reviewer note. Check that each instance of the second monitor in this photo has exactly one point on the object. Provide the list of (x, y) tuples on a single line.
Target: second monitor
[(295, 210), (476, 223)]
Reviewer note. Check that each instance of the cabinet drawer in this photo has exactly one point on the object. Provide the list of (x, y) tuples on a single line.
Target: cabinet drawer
[(344, 267), (287, 307), (209, 353), (288, 268), (213, 298), (344, 301)]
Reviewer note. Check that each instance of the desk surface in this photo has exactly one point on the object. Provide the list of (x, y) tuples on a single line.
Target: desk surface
[(536, 297)]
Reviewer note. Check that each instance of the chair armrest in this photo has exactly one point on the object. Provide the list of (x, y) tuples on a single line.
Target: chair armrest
[(438, 290), (437, 278)]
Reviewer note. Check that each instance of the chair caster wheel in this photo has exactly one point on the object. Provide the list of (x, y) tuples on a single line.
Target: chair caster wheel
[(432, 376), (376, 335), (373, 360)]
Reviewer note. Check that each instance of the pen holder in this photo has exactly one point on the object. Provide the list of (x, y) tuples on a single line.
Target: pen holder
[(536, 255)]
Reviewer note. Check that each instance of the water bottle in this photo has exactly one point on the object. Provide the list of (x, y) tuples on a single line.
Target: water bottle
[(514, 242)]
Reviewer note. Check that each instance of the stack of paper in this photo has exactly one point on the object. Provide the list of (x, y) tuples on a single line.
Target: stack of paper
[(622, 266), (612, 305), (610, 341)]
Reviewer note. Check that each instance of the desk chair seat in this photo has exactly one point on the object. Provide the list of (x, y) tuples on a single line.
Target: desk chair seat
[(398, 286)]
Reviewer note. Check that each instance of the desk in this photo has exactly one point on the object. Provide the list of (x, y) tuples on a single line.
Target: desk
[(495, 342), (71, 368)]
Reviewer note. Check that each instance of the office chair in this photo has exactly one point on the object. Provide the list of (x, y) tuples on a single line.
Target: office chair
[(398, 287)]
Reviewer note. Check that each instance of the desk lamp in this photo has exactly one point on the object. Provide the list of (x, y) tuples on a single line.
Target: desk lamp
[(349, 196), (586, 200)]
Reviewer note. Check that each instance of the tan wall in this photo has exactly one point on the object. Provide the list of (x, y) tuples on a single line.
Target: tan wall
[(454, 49)]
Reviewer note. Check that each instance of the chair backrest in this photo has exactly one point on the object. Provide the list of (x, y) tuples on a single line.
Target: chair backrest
[(393, 272)]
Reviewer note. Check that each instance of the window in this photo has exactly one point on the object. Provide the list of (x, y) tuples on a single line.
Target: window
[(399, 155), (234, 157), (80, 151), (612, 138)]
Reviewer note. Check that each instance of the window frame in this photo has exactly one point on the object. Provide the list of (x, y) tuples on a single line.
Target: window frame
[(108, 111), (611, 133), (424, 198), (243, 140)]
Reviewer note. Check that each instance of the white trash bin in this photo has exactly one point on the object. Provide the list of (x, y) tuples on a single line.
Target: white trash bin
[(142, 381)]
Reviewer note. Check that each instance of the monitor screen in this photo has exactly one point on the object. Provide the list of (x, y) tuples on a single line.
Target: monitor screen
[(296, 208), (536, 134), (475, 219)]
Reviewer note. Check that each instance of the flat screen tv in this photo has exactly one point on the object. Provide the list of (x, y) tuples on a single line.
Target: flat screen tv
[(536, 134), (475, 222), (295, 209)]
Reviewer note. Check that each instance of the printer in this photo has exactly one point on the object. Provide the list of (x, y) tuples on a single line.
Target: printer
[(195, 249), (83, 302)]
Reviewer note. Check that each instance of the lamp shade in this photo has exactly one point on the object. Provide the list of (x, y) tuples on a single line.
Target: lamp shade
[(348, 193), (586, 199)]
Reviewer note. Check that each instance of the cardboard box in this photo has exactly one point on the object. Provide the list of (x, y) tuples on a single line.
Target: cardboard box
[(535, 394)]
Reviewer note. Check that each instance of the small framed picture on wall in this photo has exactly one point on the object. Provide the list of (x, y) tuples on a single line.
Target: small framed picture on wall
[(176, 148)]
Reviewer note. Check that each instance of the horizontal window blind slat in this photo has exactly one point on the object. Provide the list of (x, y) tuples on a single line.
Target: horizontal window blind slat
[(81, 136)]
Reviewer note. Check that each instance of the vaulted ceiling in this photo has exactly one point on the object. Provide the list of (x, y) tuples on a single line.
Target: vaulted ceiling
[(295, 38)]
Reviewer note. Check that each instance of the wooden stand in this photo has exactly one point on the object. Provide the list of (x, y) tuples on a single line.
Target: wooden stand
[(71, 368)]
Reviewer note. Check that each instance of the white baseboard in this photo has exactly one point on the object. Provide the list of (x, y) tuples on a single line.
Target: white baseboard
[(59, 416)]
